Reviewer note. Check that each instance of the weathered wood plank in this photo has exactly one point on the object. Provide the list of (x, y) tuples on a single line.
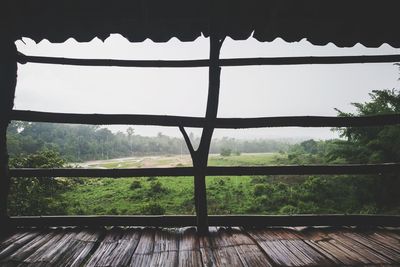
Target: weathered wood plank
[(228, 62), (83, 244), (249, 252), (360, 250), (144, 251), (320, 242), (116, 249), (214, 220), (199, 122), (388, 238), (14, 242), (211, 171), (219, 250), (30, 248), (287, 248), (166, 248), (183, 247), (189, 249), (344, 250), (383, 246), (46, 255), (8, 81), (65, 248)]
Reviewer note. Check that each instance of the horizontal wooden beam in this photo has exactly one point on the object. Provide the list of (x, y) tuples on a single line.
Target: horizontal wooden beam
[(113, 62), (309, 60), (306, 169), (212, 171), (106, 119), (111, 173), (216, 220), (228, 62), (308, 121), (197, 122)]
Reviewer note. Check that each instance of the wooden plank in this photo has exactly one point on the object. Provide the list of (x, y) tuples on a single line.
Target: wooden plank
[(200, 156), (31, 247), (215, 220), (59, 248), (23, 59), (107, 119), (14, 242), (288, 249), (189, 249), (360, 250), (309, 60), (80, 248), (47, 253), (8, 81), (110, 173), (96, 221), (211, 171), (199, 122), (166, 248), (307, 121), (249, 252), (383, 246), (116, 249), (229, 62), (144, 251), (323, 244), (223, 252), (207, 255), (387, 238)]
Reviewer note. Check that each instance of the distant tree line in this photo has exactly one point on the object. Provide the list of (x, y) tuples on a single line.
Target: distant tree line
[(78, 143)]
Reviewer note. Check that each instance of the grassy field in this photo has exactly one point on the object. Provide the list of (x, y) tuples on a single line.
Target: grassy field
[(163, 195), (247, 159)]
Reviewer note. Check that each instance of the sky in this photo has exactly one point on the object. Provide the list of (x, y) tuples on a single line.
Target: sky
[(253, 91)]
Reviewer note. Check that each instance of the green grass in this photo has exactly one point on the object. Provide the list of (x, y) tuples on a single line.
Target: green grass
[(261, 159), (114, 196), (225, 195)]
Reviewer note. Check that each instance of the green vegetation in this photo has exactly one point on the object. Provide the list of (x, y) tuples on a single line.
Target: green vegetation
[(78, 143), (226, 195)]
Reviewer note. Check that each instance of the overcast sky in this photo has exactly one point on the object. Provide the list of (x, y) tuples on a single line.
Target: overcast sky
[(245, 91)]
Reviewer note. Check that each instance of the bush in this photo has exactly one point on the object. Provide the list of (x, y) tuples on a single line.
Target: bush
[(135, 185), (259, 190), (151, 178), (156, 189), (152, 209), (226, 152)]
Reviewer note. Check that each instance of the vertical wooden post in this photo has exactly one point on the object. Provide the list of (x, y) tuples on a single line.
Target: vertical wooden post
[(8, 79), (201, 156)]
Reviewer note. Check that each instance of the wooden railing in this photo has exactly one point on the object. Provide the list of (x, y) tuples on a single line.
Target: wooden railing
[(200, 170)]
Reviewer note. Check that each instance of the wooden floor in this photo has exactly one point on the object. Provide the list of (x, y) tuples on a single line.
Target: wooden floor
[(182, 247)]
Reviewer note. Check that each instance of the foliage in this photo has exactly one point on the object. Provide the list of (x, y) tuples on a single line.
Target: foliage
[(37, 196), (78, 143), (153, 209), (374, 144), (226, 152), (281, 194), (135, 185)]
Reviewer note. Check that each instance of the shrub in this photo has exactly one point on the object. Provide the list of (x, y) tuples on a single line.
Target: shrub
[(156, 188), (152, 209), (135, 185), (259, 190), (226, 152), (151, 178)]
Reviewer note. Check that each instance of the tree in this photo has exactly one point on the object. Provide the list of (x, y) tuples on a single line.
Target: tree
[(35, 196), (226, 152), (130, 131), (374, 144)]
